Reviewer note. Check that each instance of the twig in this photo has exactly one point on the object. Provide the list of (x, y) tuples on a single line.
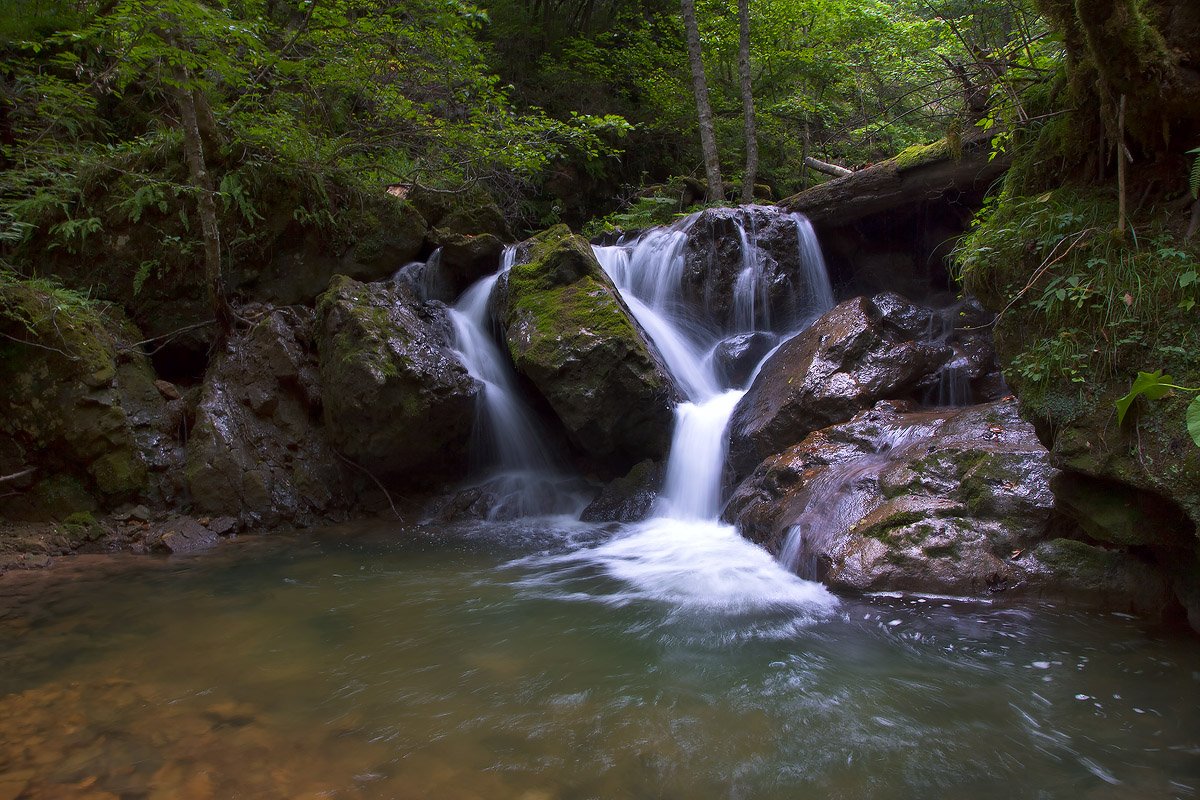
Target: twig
[(1121, 154), (170, 335), (371, 475), (63, 353), (1041, 270), (16, 475)]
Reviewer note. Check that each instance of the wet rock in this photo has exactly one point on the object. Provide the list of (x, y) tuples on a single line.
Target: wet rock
[(845, 362), (182, 535), (939, 502), (396, 398), (735, 358), (573, 338), (715, 256), (1096, 575), (465, 259), (222, 526), (258, 447), (629, 498), (79, 408)]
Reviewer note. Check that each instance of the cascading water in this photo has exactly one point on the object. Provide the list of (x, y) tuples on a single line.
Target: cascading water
[(508, 445), (684, 553)]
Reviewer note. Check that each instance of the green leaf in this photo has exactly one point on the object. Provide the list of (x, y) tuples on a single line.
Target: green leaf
[(1193, 420), (1154, 385)]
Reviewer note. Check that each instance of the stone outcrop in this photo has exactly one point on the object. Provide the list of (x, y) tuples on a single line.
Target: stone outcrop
[(948, 502), (397, 401), (82, 422), (715, 255), (845, 362), (258, 449), (570, 334), (629, 498)]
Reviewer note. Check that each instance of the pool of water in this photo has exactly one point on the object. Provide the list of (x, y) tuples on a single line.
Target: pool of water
[(547, 660)]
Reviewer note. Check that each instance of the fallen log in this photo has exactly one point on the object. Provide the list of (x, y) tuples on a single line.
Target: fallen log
[(826, 167), (917, 175)]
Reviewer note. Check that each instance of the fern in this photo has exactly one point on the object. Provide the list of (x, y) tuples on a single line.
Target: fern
[(1194, 181)]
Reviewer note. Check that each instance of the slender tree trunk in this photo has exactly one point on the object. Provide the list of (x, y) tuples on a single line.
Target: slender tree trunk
[(193, 150), (708, 139), (747, 101)]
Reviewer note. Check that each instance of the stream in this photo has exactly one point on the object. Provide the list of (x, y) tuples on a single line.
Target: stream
[(549, 659)]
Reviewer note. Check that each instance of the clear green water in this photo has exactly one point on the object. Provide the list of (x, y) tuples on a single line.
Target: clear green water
[(382, 662)]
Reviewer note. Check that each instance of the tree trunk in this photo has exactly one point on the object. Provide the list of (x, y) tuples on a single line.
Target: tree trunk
[(193, 150), (708, 139), (747, 100)]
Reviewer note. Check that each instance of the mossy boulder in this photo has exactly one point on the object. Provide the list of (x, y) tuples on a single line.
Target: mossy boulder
[(258, 448), (387, 233), (464, 258), (471, 212), (570, 334), (397, 400), (80, 407), (1099, 576)]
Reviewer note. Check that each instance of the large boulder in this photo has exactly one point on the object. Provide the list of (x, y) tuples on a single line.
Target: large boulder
[(954, 502), (82, 422), (258, 449), (570, 334), (464, 258), (845, 362), (397, 400), (716, 253)]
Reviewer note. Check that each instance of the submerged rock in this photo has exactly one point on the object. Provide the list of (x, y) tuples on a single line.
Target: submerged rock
[(397, 401), (258, 449), (570, 334), (845, 362)]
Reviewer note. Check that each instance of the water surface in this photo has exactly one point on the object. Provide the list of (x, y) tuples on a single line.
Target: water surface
[(552, 660)]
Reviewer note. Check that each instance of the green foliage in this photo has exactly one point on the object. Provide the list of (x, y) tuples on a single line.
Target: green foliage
[(1155, 386), (325, 102), (1194, 177), (1078, 305)]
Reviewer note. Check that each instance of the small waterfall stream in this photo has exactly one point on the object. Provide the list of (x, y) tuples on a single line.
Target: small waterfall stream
[(684, 554), (649, 272), (509, 446)]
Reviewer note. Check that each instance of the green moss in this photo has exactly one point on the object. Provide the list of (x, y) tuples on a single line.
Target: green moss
[(563, 294), (119, 473), (920, 154)]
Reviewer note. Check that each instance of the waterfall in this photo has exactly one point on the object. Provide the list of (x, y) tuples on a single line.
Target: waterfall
[(509, 451), (649, 273)]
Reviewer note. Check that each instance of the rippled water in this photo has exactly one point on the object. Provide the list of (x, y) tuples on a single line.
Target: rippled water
[(544, 661)]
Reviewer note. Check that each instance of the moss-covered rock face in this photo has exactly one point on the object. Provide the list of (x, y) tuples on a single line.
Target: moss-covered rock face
[(79, 407), (386, 234), (397, 401), (572, 337), (257, 449)]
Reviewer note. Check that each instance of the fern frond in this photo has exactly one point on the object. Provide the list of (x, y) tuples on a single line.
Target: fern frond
[(1194, 180)]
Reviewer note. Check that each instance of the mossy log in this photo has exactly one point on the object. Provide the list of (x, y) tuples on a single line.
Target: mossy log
[(915, 176)]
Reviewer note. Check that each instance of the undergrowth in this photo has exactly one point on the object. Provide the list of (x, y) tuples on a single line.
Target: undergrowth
[(1079, 304)]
